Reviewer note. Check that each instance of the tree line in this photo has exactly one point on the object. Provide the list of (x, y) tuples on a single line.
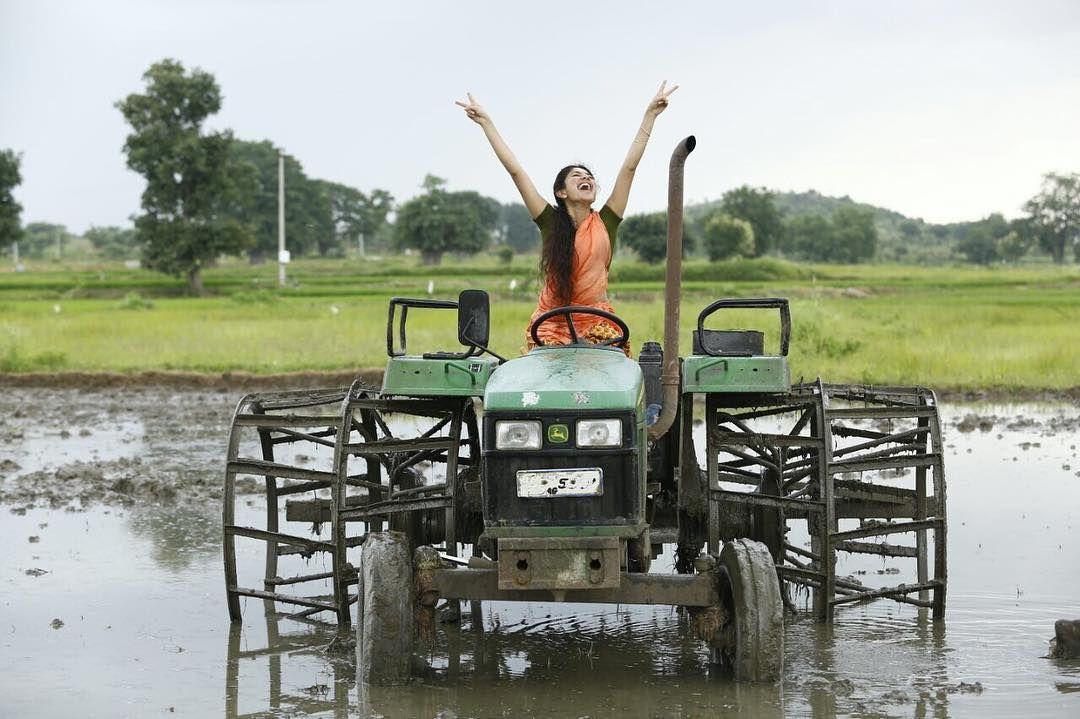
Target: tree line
[(210, 194)]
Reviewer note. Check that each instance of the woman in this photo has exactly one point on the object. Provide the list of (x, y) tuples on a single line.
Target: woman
[(578, 242)]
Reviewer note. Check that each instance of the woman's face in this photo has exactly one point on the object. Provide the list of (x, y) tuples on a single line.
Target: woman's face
[(580, 186)]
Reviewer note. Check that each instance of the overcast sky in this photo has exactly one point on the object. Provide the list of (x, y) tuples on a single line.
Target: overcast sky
[(945, 111)]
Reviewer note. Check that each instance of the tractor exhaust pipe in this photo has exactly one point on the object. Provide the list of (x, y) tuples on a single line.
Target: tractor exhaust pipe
[(669, 376)]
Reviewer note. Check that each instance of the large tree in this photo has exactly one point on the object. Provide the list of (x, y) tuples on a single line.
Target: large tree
[(310, 217), (113, 243), (42, 240), (758, 207), (849, 236), (10, 224), (646, 234), (516, 228), (1054, 215), (855, 235), (355, 215), (809, 237), (438, 221), (727, 237), (981, 241), (191, 201)]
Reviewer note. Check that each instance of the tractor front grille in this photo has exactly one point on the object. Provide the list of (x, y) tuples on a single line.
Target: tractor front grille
[(620, 503)]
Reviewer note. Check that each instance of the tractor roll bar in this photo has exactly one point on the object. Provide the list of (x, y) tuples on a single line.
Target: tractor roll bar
[(669, 375), (752, 303)]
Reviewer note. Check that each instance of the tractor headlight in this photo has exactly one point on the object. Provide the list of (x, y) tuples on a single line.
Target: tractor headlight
[(599, 433), (517, 434)]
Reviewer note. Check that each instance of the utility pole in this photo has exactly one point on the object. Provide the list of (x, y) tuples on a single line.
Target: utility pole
[(283, 256), (360, 244), (15, 252)]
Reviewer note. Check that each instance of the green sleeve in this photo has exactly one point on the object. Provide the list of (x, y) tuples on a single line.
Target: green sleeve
[(545, 220), (611, 224)]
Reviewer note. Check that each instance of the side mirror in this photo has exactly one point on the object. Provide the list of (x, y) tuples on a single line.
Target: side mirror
[(474, 313)]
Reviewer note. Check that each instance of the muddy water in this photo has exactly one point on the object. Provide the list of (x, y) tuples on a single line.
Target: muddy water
[(111, 598)]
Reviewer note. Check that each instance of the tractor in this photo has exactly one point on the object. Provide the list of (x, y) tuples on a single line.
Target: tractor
[(561, 474)]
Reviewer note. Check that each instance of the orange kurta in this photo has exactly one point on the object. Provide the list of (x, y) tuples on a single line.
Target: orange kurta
[(589, 283)]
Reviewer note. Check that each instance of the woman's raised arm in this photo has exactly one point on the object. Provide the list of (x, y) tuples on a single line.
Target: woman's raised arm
[(620, 193), (534, 202)]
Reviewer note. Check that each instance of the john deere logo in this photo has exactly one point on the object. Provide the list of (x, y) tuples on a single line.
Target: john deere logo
[(558, 434)]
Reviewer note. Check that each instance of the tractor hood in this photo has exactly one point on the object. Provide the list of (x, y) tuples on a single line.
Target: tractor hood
[(565, 378)]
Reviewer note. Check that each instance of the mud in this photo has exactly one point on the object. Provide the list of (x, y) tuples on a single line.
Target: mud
[(72, 449), (1044, 426), (131, 576), (223, 382), (131, 439), (240, 382), (1066, 641)]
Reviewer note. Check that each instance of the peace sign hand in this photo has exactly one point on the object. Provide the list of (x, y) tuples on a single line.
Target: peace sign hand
[(659, 102), (473, 110)]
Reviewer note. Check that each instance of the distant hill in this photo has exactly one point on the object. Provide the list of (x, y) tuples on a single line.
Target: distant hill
[(899, 237)]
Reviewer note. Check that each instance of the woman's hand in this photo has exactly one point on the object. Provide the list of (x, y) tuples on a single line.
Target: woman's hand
[(659, 102), (473, 110)]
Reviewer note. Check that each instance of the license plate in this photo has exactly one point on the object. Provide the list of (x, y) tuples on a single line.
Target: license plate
[(547, 483)]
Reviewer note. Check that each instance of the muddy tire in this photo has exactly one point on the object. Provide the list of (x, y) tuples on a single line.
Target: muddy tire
[(755, 611), (385, 626)]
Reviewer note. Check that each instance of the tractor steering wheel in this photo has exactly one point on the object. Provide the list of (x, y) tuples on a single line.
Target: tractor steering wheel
[(566, 312)]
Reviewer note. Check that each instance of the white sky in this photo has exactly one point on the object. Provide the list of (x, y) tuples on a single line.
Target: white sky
[(946, 111)]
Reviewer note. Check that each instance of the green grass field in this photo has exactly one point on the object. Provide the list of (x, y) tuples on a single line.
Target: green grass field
[(954, 327)]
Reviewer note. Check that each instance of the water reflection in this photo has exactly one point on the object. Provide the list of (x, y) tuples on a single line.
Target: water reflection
[(585, 662), (178, 536), (288, 640)]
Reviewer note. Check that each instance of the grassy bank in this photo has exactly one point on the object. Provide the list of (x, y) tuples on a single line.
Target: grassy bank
[(956, 327)]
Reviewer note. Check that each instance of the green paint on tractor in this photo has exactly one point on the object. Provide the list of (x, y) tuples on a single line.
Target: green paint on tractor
[(420, 377), (764, 373)]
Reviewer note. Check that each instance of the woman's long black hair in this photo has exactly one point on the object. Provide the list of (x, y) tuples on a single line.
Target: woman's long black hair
[(557, 252)]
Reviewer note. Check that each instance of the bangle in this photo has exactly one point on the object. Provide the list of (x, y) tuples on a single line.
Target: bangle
[(642, 129)]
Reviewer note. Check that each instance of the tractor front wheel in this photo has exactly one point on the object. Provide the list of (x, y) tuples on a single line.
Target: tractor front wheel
[(752, 643), (385, 625)]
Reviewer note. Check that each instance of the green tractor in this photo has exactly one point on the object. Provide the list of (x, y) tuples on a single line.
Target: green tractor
[(560, 475)]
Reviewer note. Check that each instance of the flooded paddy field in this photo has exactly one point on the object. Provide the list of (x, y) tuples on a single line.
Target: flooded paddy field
[(113, 604)]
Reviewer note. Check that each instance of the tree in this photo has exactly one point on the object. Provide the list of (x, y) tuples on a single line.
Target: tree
[(727, 237), (44, 239), (910, 230), (1054, 215), (758, 207), (1012, 246), (646, 234), (113, 243), (981, 241), (10, 210), (809, 237), (191, 201), (309, 225), (517, 229), (439, 221), (355, 214), (855, 236)]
